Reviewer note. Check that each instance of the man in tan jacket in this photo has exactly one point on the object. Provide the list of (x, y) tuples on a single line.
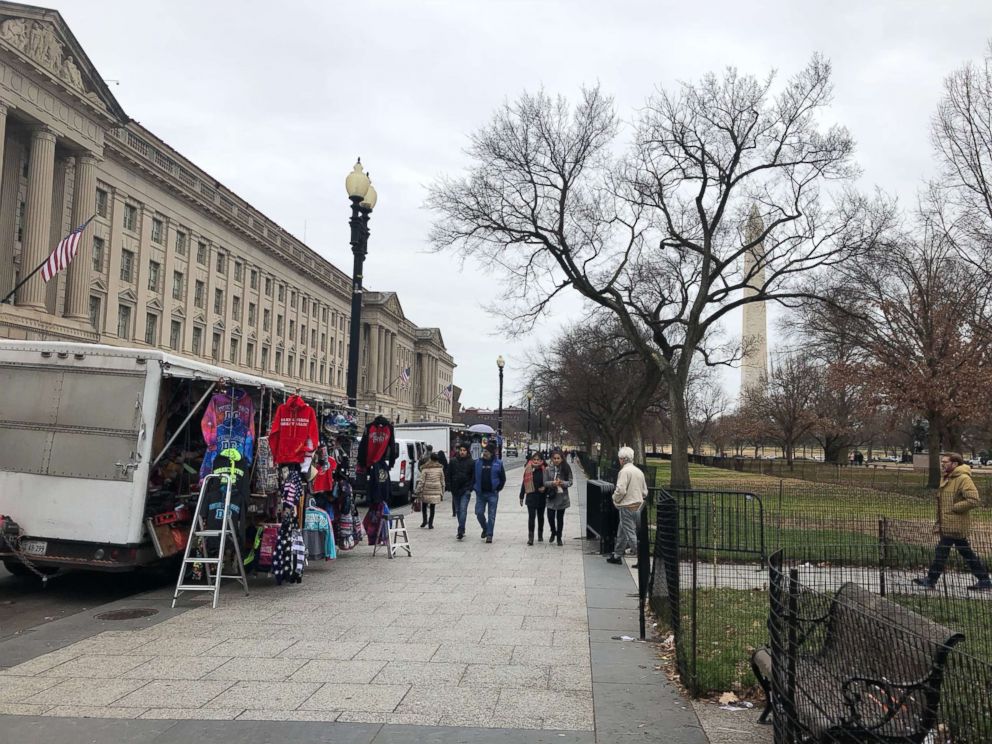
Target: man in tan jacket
[(956, 497), (628, 498)]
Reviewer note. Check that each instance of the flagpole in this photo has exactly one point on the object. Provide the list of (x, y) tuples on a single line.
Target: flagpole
[(390, 385), (39, 267), (25, 280)]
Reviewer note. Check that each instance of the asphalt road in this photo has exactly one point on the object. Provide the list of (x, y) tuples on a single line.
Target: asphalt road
[(25, 603)]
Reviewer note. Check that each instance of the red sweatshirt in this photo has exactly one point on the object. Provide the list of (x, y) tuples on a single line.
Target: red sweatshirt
[(294, 432)]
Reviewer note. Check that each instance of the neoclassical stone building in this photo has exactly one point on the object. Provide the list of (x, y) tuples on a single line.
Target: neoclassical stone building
[(173, 259)]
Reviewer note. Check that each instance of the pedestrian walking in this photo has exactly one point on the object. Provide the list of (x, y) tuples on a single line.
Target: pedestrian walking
[(628, 498), (489, 481), (558, 482), (956, 497), (532, 491), (430, 488), (462, 480)]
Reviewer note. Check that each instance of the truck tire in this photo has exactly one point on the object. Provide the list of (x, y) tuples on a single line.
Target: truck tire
[(16, 568)]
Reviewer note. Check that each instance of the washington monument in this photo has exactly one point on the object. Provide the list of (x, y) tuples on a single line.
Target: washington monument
[(754, 333)]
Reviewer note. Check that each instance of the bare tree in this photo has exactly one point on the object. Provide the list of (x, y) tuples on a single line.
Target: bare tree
[(720, 171), (706, 401), (592, 377), (916, 327), (782, 407)]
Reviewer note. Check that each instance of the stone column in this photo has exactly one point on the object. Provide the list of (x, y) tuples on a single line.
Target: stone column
[(393, 372), (83, 207), (38, 216), (56, 232), (373, 370), (9, 182)]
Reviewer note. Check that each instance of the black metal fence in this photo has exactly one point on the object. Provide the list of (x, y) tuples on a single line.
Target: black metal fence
[(709, 579)]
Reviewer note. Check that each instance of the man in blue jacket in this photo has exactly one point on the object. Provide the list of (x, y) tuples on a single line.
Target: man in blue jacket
[(489, 481)]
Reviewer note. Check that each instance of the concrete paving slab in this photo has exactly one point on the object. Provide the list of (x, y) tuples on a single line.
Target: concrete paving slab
[(176, 667), (354, 671), (256, 670), (268, 696), (84, 692), (373, 698), (506, 675), (329, 649), (420, 673)]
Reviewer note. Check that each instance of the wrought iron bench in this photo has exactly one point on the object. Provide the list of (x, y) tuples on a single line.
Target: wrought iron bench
[(867, 670)]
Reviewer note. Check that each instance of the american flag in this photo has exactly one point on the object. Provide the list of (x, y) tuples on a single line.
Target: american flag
[(64, 252), (405, 374), (447, 392)]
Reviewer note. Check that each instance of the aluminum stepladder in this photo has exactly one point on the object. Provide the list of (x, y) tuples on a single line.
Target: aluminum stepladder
[(198, 539)]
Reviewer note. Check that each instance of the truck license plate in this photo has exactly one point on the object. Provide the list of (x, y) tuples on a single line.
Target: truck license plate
[(34, 547)]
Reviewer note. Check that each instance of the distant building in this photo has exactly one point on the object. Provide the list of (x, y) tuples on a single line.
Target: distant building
[(514, 419)]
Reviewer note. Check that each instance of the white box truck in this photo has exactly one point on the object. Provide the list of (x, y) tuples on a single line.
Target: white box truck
[(81, 426)]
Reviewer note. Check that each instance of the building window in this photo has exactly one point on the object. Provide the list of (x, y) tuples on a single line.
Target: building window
[(219, 301), (127, 265), (197, 340), (236, 306), (292, 299), (154, 273), (313, 338), (95, 314), (302, 363), (266, 319), (124, 321), (234, 351), (290, 364), (323, 342), (303, 334), (201, 253), (98, 254), (158, 231), (177, 285), (181, 242), (313, 370), (279, 325), (221, 263), (130, 217), (198, 289), (306, 306), (249, 354), (265, 357), (278, 361), (151, 329), (215, 347), (252, 311), (101, 202), (239, 271), (292, 330), (176, 335), (339, 378), (282, 293), (268, 286), (323, 372), (323, 316), (253, 279)]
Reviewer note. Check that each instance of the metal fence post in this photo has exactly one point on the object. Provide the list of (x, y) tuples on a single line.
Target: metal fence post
[(695, 600), (643, 564), (883, 552)]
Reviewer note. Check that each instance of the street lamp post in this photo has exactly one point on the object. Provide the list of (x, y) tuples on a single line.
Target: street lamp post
[(363, 198), (540, 422), (500, 363), (530, 397)]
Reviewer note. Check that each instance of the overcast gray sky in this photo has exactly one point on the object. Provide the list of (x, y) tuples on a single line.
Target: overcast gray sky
[(276, 100)]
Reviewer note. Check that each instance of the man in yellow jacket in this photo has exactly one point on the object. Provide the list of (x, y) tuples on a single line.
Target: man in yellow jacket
[(956, 497)]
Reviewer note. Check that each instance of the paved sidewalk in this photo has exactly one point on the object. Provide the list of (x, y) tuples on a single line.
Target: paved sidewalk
[(465, 636)]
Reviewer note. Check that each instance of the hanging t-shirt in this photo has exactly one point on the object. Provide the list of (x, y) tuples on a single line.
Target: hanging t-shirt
[(377, 444), (228, 423)]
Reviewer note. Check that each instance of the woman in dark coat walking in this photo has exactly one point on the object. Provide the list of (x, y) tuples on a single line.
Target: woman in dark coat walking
[(557, 481), (532, 490)]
